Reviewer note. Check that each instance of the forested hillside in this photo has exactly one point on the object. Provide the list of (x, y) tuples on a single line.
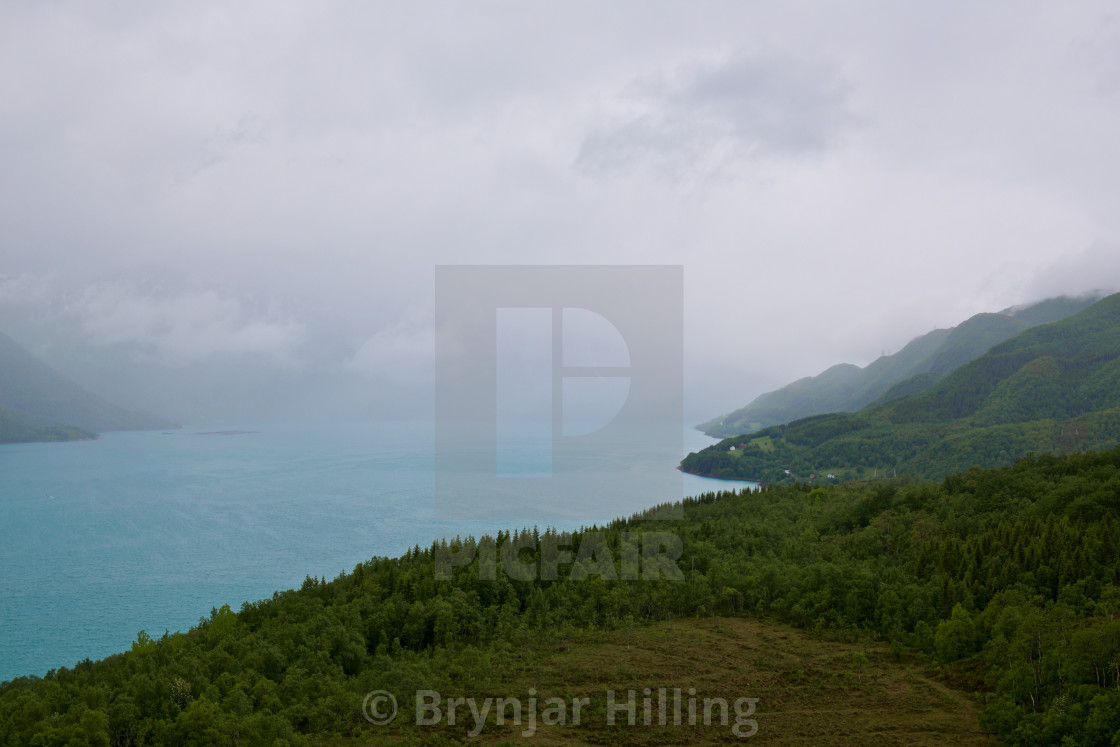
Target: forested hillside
[(14, 429), (1053, 388), (39, 404), (1008, 580), (917, 367)]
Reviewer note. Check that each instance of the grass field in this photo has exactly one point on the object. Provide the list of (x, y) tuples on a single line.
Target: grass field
[(809, 691), (766, 443)]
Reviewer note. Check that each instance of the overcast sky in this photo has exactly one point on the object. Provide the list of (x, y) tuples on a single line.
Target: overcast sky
[(251, 198)]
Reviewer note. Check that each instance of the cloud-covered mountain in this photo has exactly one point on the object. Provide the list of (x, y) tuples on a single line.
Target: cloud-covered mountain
[(39, 404), (918, 366)]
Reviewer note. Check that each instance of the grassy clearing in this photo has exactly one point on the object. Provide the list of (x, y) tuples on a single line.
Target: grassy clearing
[(766, 443), (809, 691)]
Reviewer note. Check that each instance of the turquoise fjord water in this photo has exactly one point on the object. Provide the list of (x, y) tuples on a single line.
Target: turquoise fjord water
[(147, 530)]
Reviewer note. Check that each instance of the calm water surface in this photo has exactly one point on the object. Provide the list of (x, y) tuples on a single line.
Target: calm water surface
[(146, 530)]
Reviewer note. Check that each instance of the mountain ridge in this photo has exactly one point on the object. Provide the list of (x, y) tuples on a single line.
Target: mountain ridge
[(920, 364)]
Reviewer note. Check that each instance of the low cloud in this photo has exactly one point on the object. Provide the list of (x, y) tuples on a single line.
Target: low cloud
[(745, 105), (1096, 269), (24, 290), (181, 328), (400, 354)]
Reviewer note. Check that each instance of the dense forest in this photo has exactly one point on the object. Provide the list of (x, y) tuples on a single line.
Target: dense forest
[(1054, 388), (1008, 579)]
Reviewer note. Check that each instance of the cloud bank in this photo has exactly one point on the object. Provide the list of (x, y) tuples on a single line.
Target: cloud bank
[(193, 188)]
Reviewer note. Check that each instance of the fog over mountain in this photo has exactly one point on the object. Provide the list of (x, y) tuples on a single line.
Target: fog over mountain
[(234, 212)]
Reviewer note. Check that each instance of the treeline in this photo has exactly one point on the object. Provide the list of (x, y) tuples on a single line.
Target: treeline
[(851, 447), (1009, 579)]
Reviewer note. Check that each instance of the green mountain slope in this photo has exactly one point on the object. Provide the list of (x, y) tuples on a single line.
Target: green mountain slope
[(15, 430), (39, 404), (1054, 387), (918, 366)]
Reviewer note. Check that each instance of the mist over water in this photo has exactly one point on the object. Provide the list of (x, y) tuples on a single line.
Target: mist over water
[(150, 531)]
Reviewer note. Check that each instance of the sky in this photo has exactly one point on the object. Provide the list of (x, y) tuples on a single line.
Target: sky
[(218, 210)]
